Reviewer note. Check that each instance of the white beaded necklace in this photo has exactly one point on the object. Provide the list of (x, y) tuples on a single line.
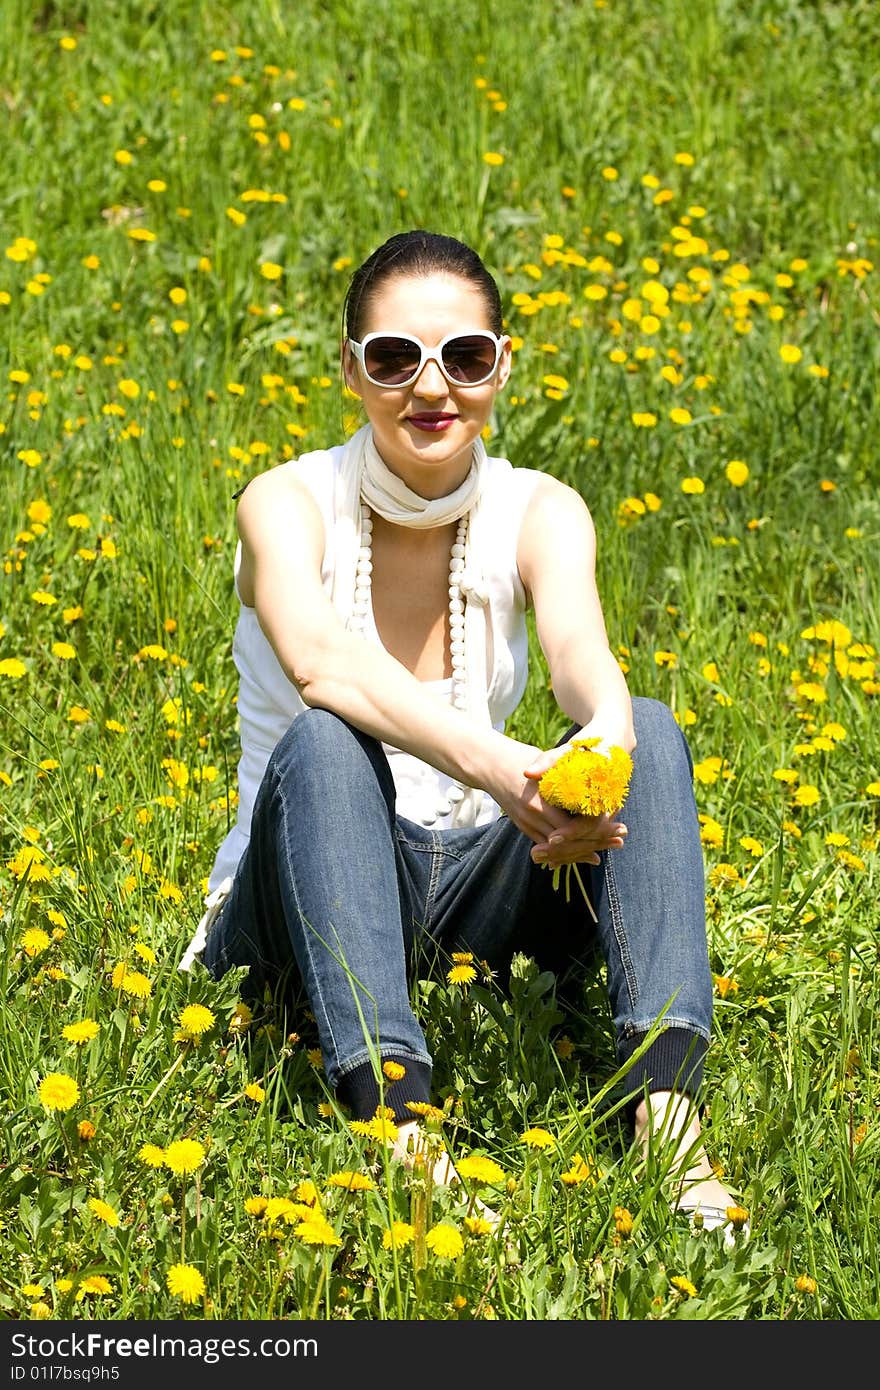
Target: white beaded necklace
[(362, 601)]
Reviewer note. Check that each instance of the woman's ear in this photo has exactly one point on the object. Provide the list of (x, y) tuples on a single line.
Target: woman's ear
[(349, 369), (505, 363)]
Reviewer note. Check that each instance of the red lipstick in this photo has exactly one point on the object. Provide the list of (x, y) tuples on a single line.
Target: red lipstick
[(431, 420)]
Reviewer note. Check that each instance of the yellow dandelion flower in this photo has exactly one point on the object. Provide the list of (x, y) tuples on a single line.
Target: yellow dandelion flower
[(34, 941), (581, 1170), (586, 782), (425, 1110), (255, 1092), (537, 1138), (136, 985), (737, 472), (81, 1032), (623, 1222), (13, 668), (804, 1284), (753, 846), (186, 1283), (86, 1130), (152, 1155), (256, 1206), (693, 486), (382, 1127), (478, 1226), (104, 1211), (723, 875), (444, 1241), (480, 1169), (184, 1156), (316, 1230), (398, 1235), (684, 1285), (790, 353), (283, 1209), (58, 1091), (493, 159), (461, 975), (812, 691), (351, 1181), (393, 1071), (807, 795), (852, 861), (195, 1020), (711, 832), (93, 1284)]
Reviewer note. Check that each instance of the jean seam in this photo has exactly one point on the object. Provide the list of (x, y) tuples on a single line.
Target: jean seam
[(437, 847), (620, 935), (434, 880), (319, 996)]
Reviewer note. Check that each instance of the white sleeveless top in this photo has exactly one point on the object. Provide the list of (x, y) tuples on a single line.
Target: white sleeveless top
[(268, 702)]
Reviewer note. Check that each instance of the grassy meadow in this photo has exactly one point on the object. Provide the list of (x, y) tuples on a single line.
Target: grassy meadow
[(681, 205)]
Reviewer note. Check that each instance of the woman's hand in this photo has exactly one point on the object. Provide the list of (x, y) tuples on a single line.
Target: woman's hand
[(566, 845), (559, 838)]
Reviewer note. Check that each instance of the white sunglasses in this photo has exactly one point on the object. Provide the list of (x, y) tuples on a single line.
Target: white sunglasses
[(396, 359)]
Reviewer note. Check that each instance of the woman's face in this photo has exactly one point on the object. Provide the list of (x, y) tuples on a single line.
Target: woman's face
[(425, 431)]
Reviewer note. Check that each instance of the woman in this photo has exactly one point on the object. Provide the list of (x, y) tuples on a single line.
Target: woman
[(384, 815)]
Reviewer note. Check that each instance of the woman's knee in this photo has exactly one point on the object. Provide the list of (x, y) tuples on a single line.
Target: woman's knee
[(657, 730), (316, 735), (321, 747)]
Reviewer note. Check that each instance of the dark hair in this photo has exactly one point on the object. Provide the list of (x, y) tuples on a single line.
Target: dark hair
[(417, 253)]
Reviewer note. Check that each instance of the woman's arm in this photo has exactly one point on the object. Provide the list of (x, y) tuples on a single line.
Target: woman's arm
[(282, 539), (556, 555)]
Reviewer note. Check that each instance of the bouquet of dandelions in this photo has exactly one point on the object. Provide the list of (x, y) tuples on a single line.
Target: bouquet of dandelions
[(586, 782)]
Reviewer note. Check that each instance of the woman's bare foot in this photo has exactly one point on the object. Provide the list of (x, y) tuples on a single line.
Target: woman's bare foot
[(670, 1118), (425, 1153)]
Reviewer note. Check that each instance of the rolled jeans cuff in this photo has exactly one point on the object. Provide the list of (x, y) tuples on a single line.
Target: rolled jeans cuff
[(358, 1089), (673, 1062)]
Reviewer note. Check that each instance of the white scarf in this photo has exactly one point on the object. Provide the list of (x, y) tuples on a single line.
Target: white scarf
[(363, 474)]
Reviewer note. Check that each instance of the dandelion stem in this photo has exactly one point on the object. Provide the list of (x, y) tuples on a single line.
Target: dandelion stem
[(178, 1061)]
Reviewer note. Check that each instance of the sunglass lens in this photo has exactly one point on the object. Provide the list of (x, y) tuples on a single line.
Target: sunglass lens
[(469, 359), (392, 361)]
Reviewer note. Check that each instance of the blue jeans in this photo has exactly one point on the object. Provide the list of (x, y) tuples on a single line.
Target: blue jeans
[(341, 897)]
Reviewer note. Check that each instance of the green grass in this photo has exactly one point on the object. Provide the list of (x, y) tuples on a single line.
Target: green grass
[(718, 601)]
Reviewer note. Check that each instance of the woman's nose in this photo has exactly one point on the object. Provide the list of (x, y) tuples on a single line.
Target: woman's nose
[(430, 382)]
